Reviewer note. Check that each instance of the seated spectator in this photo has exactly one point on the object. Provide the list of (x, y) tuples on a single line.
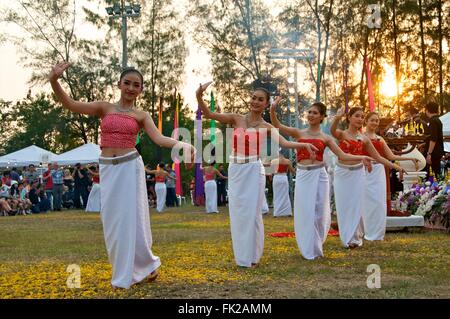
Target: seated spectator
[(5, 209), (6, 178), (14, 175), (25, 202), (4, 190), (67, 198), (33, 195), (44, 201)]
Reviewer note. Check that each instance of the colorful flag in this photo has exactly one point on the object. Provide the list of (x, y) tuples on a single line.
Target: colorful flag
[(138, 142), (199, 190), (213, 122), (369, 86), (160, 115), (178, 188)]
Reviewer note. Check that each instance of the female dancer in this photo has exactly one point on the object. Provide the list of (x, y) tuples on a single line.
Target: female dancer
[(93, 203), (280, 184), (124, 209), (374, 216), (246, 174), (209, 175), (160, 185), (312, 217), (350, 177)]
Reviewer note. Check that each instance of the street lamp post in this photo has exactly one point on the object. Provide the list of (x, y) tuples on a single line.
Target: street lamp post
[(292, 56), (124, 11)]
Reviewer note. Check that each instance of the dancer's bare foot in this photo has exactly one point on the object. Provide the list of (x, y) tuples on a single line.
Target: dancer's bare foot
[(152, 277), (353, 246), (254, 265), (117, 288)]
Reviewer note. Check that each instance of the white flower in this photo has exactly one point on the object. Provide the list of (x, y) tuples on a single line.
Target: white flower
[(428, 183)]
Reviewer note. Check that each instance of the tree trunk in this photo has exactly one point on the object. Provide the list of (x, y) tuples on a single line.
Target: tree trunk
[(362, 99), (153, 79), (422, 47), (248, 26), (441, 97), (319, 48), (396, 58), (327, 37)]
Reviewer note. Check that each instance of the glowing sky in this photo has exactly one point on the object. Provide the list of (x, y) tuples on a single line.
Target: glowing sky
[(14, 77)]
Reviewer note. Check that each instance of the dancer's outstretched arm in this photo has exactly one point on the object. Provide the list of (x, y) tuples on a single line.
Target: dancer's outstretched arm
[(392, 157), (220, 175), (371, 150), (167, 142), (226, 118), (90, 108), (288, 144), (366, 160), (337, 133)]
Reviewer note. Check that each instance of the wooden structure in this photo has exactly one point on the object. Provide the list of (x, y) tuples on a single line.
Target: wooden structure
[(396, 144)]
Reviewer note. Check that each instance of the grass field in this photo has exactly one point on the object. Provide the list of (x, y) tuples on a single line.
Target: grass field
[(197, 261)]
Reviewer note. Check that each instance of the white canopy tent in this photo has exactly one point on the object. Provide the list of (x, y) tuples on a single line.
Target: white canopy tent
[(445, 119), (26, 156), (84, 154)]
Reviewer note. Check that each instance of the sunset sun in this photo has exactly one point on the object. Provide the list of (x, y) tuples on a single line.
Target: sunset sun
[(388, 86)]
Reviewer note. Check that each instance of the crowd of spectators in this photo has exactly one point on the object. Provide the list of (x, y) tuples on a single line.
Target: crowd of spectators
[(33, 191)]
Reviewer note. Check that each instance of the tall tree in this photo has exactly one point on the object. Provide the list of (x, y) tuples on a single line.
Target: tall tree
[(49, 37), (238, 37), (159, 50)]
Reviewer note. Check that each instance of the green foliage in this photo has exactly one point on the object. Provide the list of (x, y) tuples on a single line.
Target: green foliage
[(238, 37), (37, 121)]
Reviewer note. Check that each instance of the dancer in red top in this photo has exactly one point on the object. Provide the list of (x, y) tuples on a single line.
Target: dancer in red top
[(124, 208), (209, 176), (160, 185), (374, 215), (94, 202), (246, 180), (312, 216), (280, 185), (350, 177)]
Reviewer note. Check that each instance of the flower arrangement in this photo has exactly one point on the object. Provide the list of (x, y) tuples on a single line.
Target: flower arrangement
[(431, 200)]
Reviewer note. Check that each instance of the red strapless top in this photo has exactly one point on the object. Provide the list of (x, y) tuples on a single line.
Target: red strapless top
[(160, 179), (378, 144), (354, 147), (209, 177), (282, 168), (303, 154), (245, 142), (119, 130), (96, 179)]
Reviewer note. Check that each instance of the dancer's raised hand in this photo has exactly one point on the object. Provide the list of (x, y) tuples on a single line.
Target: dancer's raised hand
[(58, 70), (340, 112), (202, 88), (274, 105)]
